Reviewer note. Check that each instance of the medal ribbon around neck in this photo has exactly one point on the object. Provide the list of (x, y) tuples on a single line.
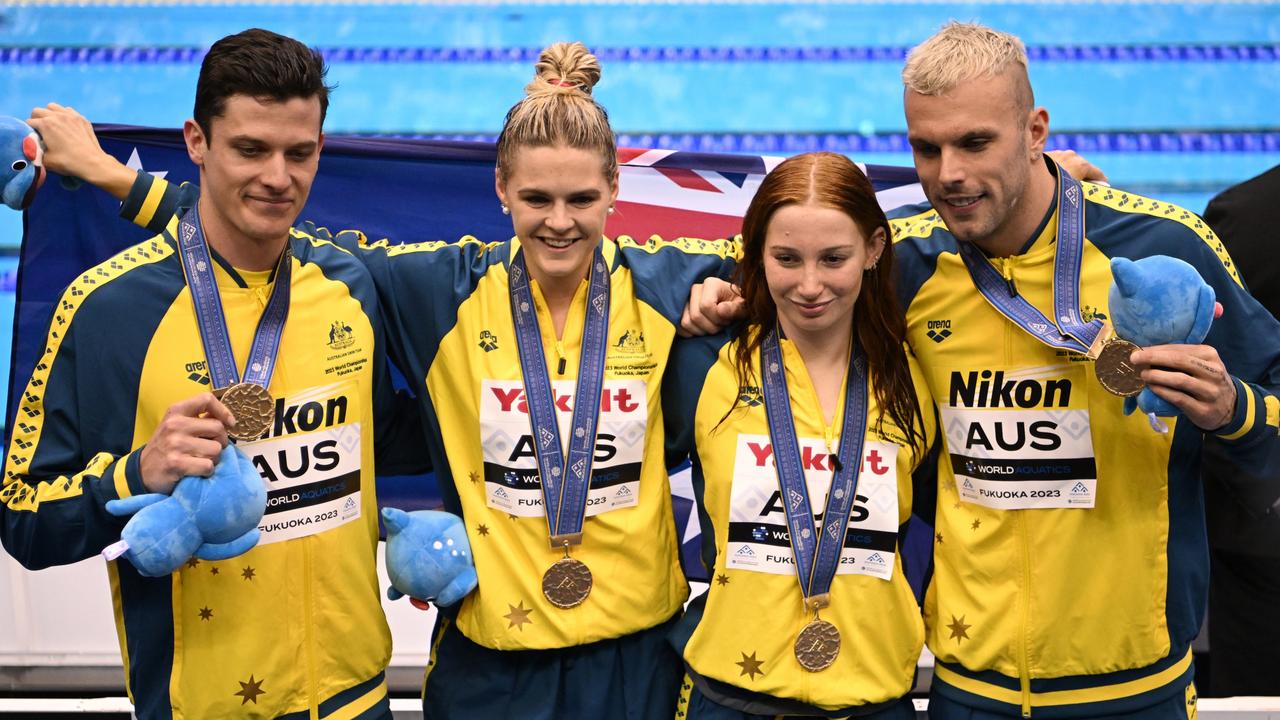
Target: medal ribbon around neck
[(564, 484), (1070, 332), (816, 558), (197, 265)]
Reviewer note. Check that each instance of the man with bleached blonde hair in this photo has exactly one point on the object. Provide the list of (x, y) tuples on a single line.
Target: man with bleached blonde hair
[(1070, 554)]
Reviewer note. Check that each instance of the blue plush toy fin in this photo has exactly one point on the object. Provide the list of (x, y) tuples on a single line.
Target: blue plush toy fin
[(222, 551), (1130, 404), (131, 505), (458, 588), (395, 519), (1204, 315), (393, 593)]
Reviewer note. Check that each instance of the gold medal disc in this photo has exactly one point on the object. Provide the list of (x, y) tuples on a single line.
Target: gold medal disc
[(1114, 372), (817, 645), (253, 408), (567, 583)]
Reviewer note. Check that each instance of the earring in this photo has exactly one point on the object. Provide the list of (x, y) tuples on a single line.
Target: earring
[(505, 210), (611, 209)]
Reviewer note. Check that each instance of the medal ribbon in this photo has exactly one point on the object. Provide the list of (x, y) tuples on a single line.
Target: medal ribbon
[(816, 558), (197, 265), (564, 484), (1070, 332)]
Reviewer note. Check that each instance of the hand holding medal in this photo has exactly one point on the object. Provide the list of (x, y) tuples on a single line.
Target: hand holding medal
[(1115, 371), (187, 441), (249, 401)]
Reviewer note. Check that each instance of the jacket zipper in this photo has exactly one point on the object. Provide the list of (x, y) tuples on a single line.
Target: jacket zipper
[(561, 362), (1024, 652), (309, 631), (1024, 545)]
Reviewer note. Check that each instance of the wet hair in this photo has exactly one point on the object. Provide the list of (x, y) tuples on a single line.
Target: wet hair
[(263, 65), (830, 180), (558, 109), (964, 51)]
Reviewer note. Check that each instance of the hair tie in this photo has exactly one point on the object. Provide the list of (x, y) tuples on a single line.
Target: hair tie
[(562, 83)]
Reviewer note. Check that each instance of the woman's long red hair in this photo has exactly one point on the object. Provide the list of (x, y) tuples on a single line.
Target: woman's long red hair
[(830, 180)]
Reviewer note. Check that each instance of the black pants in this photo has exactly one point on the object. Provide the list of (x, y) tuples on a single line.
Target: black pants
[(1244, 624)]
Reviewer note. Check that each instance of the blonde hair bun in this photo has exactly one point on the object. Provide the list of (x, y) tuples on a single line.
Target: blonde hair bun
[(565, 67)]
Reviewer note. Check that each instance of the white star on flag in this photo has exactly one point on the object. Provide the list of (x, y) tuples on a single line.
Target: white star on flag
[(135, 163)]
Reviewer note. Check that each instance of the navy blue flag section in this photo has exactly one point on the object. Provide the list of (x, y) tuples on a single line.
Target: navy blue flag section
[(404, 190)]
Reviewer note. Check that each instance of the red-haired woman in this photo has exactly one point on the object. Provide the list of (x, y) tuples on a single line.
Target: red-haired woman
[(803, 425)]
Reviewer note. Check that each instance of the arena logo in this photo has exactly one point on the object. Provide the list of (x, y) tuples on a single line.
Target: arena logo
[(987, 389), (938, 330)]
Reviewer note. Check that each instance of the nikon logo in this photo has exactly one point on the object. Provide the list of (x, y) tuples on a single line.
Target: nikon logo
[(991, 390), (308, 416)]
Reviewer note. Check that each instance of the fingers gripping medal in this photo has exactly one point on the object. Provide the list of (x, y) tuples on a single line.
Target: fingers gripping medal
[(817, 554), (1111, 364), (253, 408), (1116, 375)]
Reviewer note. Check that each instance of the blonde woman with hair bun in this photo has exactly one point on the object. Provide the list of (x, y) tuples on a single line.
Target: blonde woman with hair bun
[(544, 342), (547, 341)]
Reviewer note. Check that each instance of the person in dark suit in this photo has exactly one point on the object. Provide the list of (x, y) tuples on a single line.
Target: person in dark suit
[(1244, 521)]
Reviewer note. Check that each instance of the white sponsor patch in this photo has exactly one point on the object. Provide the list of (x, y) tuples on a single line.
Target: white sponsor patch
[(313, 480), (510, 464), (758, 535), (1020, 440)]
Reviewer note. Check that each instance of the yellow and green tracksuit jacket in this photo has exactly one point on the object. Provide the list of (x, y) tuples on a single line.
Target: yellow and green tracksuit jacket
[(1082, 599), (738, 637), (294, 627)]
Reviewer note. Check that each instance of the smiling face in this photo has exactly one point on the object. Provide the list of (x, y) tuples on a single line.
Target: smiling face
[(256, 164), (975, 147), (559, 198), (814, 259)]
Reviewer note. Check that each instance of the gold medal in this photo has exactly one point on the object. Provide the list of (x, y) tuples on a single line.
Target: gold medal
[(817, 645), (253, 408), (1114, 372), (567, 583)]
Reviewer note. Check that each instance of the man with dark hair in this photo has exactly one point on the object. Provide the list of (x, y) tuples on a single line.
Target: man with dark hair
[(118, 405)]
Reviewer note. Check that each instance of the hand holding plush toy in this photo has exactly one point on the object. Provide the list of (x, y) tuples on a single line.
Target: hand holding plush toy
[(428, 556), (211, 518), (1159, 300)]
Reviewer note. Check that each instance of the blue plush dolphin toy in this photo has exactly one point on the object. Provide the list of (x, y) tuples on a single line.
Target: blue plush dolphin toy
[(22, 173), (1159, 300), (211, 518), (428, 556)]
